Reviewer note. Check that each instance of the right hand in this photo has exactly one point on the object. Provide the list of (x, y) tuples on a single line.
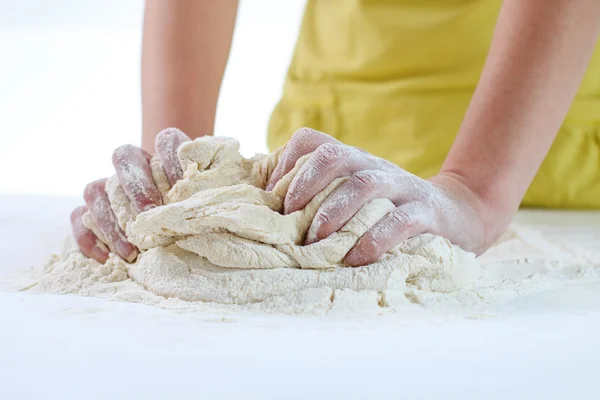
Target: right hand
[(132, 167), (443, 205)]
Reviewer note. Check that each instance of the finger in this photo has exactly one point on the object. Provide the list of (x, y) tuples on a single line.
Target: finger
[(303, 141), (135, 176), (404, 222), (98, 204), (167, 143), (346, 200), (87, 242), (328, 162)]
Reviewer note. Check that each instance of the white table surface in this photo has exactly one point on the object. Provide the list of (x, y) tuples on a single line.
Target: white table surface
[(69, 347)]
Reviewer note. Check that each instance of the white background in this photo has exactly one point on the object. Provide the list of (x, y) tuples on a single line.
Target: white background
[(70, 91), (69, 94)]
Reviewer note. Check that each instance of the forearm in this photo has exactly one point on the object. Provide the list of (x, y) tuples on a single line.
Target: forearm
[(185, 49), (537, 59)]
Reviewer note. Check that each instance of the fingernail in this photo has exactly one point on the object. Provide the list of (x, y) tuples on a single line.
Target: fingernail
[(127, 251), (355, 259), (132, 256)]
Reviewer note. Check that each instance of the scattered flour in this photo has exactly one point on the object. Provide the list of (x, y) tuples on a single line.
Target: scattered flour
[(220, 243)]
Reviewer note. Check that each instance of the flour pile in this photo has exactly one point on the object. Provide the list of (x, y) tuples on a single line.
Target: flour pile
[(220, 243)]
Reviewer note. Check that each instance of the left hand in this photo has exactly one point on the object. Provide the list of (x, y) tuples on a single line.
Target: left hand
[(443, 205)]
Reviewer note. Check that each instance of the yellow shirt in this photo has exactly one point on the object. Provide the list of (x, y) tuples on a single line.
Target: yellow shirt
[(395, 77)]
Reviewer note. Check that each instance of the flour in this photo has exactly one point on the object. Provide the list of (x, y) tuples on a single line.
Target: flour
[(220, 243)]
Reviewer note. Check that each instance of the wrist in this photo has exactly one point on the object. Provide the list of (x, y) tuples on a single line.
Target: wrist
[(491, 212)]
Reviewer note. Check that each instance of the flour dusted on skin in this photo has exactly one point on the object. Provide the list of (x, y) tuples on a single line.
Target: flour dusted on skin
[(126, 213), (221, 243)]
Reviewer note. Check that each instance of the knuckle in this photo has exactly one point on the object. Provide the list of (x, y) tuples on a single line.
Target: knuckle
[(406, 223), (298, 145), (322, 218), (381, 240), (306, 134), (376, 245), (329, 153), (308, 139), (399, 216), (303, 141), (287, 162), (380, 234), (365, 180)]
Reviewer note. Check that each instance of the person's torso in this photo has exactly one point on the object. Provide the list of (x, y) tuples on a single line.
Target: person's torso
[(395, 78)]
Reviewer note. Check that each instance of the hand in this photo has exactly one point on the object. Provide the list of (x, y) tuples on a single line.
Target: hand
[(133, 171), (443, 205)]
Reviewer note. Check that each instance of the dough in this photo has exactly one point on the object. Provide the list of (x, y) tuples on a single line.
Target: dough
[(220, 238)]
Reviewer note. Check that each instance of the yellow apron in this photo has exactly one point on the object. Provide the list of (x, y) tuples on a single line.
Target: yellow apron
[(396, 77)]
